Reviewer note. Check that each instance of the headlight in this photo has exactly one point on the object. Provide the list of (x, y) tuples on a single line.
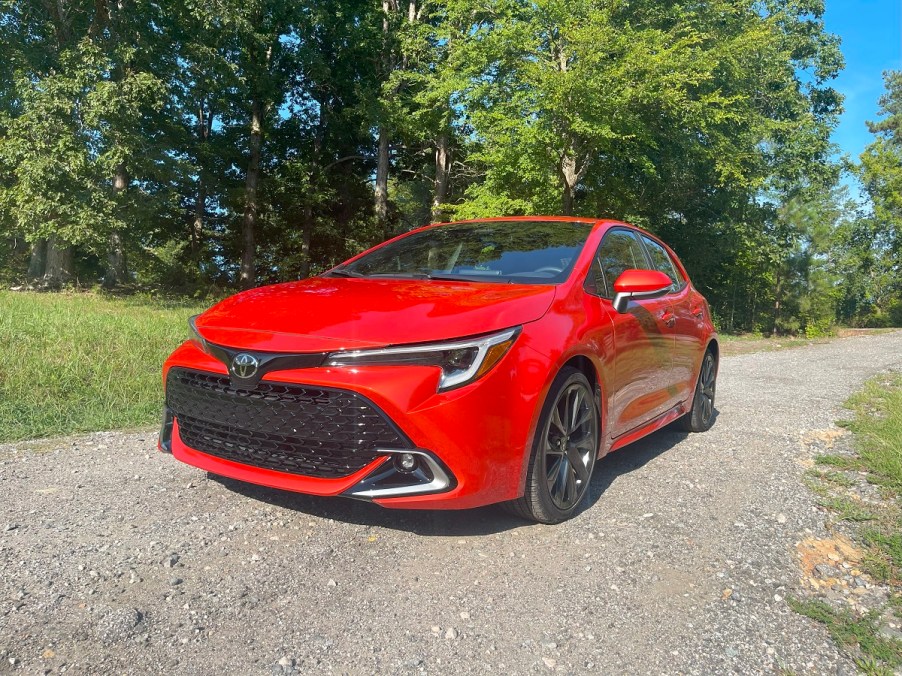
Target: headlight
[(461, 361), (194, 335)]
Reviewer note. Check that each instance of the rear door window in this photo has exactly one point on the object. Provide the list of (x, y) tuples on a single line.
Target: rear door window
[(618, 251), (662, 262)]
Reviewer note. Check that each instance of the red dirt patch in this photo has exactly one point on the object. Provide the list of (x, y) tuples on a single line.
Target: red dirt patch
[(833, 552)]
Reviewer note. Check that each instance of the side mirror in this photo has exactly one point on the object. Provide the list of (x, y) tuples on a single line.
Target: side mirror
[(639, 284)]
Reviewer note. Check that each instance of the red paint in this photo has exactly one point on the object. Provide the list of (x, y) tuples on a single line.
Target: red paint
[(646, 360), (638, 281), (332, 313)]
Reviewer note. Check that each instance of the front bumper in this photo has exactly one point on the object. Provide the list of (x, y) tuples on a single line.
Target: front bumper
[(469, 443)]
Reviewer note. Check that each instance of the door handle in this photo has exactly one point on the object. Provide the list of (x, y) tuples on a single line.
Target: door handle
[(697, 311), (668, 318)]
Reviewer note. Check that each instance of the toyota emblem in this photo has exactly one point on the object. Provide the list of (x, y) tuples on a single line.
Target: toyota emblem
[(244, 365)]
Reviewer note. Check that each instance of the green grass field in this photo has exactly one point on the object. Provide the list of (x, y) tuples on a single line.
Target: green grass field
[(83, 362)]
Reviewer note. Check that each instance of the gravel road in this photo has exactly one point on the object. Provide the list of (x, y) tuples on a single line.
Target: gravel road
[(117, 558)]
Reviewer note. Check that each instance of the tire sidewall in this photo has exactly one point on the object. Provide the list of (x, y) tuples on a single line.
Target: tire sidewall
[(699, 424), (544, 508)]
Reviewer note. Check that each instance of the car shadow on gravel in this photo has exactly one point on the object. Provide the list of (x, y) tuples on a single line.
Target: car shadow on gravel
[(461, 523), (630, 458)]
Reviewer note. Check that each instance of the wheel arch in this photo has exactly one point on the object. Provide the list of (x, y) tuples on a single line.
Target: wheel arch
[(585, 365), (588, 368), (713, 347)]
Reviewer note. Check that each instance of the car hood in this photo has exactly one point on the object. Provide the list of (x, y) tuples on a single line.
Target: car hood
[(323, 314)]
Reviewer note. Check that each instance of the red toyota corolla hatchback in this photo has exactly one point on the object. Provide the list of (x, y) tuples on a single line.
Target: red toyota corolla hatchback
[(454, 366)]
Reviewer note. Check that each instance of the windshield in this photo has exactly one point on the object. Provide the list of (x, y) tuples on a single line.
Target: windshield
[(521, 252)]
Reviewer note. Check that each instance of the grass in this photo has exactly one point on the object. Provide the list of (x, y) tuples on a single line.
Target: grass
[(876, 424), (80, 362), (832, 476), (880, 654), (848, 510), (839, 479), (884, 556), (840, 461)]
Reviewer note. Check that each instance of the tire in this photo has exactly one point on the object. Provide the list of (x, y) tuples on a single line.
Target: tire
[(701, 415), (564, 452)]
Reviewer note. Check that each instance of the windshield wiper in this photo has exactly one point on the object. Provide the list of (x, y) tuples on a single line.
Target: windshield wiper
[(445, 276), (425, 275), (422, 274), (341, 272)]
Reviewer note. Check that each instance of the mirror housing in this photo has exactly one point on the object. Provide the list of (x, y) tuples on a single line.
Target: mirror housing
[(639, 284)]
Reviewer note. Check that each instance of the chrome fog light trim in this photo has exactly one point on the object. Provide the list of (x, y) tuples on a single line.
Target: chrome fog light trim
[(165, 438), (428, 476)]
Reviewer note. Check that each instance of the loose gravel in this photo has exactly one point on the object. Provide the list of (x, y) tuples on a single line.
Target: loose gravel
[(117, 558)]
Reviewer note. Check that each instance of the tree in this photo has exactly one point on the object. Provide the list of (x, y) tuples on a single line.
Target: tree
[(876, 242), (881, 162), (85, 97), (241, 143)]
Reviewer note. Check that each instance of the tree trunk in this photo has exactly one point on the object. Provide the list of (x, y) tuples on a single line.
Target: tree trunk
[(442, 173), (59, 267), (200, 202), (567, 201), (38, 261), (116, 269), (754, 311), (570, 176), (306, 234), (247, 276), (733, 309), (569, 173), (382, 159), (382, 181), (778, 294), (197, 227)]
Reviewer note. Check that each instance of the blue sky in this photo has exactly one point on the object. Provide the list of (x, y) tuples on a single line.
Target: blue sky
[(871, 32)]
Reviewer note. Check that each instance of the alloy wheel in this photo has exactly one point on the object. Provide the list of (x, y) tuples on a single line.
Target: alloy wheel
[(571, 442), (707, 385)]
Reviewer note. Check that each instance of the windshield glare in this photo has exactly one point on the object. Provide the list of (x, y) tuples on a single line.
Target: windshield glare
[(520, 252)]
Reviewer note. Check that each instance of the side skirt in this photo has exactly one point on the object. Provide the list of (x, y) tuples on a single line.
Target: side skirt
[(652, 426)]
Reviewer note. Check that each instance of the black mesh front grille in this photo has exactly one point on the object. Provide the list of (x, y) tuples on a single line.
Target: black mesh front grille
[(299, 429)]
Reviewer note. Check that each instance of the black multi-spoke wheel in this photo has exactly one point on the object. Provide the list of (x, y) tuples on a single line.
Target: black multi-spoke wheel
[(701, 415), (564, 451)]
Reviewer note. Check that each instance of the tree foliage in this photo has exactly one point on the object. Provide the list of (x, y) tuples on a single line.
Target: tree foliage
[(236, 143), (873, 246)]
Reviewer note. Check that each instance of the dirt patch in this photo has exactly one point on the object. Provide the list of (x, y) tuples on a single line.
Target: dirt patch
[(826, 562), (823, 439)]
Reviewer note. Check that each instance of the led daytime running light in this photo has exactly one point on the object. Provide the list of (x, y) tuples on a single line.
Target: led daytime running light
[(473, 359), (194, 335)]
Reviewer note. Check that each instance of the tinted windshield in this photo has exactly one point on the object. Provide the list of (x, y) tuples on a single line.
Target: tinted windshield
[(521, 252)]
